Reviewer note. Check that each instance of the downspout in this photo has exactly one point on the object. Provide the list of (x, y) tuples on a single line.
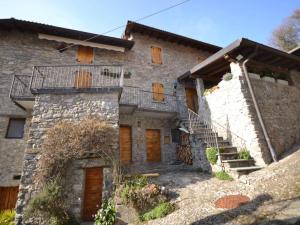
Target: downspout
[(266, 135)]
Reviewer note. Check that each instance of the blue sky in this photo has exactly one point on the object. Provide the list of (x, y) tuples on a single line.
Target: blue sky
[(218, 22)]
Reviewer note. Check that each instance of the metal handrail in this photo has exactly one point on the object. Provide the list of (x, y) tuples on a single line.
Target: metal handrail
[(143, 99), (211, 129)]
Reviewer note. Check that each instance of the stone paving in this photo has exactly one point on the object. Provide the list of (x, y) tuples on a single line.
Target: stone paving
[(274, 194)]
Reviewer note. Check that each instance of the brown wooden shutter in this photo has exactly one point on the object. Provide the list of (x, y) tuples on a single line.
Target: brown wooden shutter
[(153, 145), (125, 144), (8, 197), (156, 55), (83, 79), (158, 92), (92, 192), (85, 54)]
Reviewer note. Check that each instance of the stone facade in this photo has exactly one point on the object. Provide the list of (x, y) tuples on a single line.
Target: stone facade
[(12, 152), (48, 110), (20, 51), (231, 106)]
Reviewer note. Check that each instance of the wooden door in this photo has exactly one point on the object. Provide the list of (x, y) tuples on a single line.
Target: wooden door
[(83, 79), (191, 99), (125, 144), (8, 197), (92, 192), (153, 145)]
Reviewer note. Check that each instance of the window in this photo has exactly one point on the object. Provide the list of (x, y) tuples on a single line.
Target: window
[(156, 55), (15, 128), (85, 54), (158, 92), (175, 133)]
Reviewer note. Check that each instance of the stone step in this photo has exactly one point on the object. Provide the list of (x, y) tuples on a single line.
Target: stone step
[(236, 163), (228, 149), (206, 135), (239, 171), (230, 155), (220, 143)]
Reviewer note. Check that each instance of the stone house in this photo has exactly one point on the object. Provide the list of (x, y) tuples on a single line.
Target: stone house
[(163, 92)]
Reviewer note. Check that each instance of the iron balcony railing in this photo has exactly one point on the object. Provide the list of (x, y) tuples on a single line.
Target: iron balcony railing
[(67, 78), (76, 76), (20, 87), (143, 99)]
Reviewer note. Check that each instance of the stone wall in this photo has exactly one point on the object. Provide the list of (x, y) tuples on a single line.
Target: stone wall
[(12, 151), (231, 106), (48, 110), (20, 51)]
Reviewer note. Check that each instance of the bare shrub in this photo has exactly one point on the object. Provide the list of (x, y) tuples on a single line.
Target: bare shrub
[(67, 141)]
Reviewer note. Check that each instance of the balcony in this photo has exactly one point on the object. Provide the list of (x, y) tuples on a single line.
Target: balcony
[(64, 79), (134, 99)]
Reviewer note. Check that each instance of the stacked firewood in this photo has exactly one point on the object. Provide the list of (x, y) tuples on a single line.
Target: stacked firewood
[(183, 151), (184, 154)]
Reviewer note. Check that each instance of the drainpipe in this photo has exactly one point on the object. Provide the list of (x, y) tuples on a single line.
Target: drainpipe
[(266, 135)]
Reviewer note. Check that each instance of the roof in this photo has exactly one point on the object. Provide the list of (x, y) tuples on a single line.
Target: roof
[(22, 25), (295, 51), (218, 63), (133, 27)]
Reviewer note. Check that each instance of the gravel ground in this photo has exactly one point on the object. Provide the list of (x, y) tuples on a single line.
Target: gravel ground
[(274, 193)]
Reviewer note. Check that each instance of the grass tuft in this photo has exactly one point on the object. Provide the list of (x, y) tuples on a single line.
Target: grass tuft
[(159, 211), (222, 175)]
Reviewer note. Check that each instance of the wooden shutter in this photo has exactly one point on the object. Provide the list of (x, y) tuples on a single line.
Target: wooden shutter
[(153, 145), (125, 144), (85, 54), (83, 79), (92, 192), (156, 55), (158, 92), (8, 197)]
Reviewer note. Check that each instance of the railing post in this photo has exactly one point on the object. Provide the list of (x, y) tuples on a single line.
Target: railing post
[(11, 87), (190, 122), (122, 78)]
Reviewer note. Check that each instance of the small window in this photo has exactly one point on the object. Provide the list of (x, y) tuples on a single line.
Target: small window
[(15, 128), (85, 54), (156, 55), (158, 92), (175, 133)]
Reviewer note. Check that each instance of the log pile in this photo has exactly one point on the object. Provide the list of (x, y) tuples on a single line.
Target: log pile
[(184, 154), (183, 151)]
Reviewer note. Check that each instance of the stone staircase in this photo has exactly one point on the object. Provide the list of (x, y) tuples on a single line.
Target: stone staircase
[(229, 156)]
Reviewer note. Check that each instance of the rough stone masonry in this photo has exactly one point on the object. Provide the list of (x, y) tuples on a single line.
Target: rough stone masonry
[(50, 109)]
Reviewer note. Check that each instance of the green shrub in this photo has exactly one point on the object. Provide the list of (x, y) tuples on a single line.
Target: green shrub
[(159, 211), (7, 217), (130, 186), (147, 197), (140, 194), (227, 76), (244, 154), (222, 175), (212, 155), (107, 214), (48, 206)]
